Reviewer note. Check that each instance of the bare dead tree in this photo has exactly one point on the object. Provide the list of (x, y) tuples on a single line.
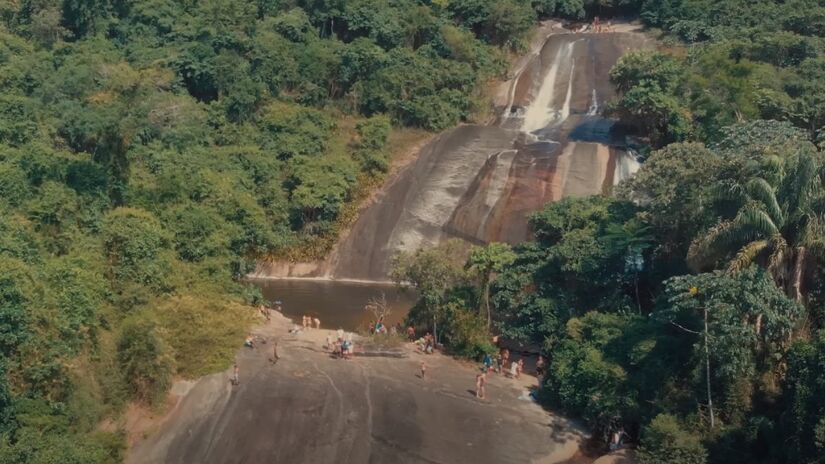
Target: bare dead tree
[(379, 307)]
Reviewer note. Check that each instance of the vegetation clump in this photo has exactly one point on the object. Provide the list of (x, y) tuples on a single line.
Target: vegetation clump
[(151, 151), (685, 308)]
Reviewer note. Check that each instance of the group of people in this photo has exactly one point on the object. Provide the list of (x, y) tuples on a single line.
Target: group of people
[(378, 327), (426, 343), (310, 322), (501, 364), (342, 347), (599, 27)]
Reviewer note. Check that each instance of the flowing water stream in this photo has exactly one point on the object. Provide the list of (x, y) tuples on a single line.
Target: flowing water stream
[(481, 182)]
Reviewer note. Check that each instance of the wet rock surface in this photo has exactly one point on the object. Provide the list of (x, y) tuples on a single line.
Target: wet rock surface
[(481, 183)]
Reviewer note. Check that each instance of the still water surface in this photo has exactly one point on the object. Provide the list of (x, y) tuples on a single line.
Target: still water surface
[(336, 303)]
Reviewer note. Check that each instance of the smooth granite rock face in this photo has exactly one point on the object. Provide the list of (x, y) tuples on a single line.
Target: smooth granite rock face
[(481, 183), (310, 408)]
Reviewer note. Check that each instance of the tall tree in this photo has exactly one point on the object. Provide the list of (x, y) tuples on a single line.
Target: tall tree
[(483, 263), (779, 222)]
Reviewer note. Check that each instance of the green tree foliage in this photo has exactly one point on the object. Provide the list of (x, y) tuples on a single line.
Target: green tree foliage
[(672, 188), (150, 151), (450, 288), (589, 255), (484, 262), (746, 60), (777, 219), (667, 441), (134, 244), (189, 323), (17, 290), (750, 323), (145, 360), (651, 85), (433, 272), (583, 379), (633, 338), (804, 409)]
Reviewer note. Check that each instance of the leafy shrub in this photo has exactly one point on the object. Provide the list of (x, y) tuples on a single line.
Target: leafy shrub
[(145, 360), (191, 323), (466, 332), (667, 442)]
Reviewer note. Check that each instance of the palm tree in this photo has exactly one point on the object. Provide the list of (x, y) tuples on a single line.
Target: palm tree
[(484, 262), (780, 228)]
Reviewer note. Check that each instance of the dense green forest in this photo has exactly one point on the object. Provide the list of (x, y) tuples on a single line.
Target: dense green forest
[(151, 150), (688, 306)]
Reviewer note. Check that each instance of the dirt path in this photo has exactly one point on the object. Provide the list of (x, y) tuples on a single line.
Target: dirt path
[(311, 408)]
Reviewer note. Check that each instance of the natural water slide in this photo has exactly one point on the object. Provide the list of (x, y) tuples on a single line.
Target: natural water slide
[(481, 182), (475, 182)]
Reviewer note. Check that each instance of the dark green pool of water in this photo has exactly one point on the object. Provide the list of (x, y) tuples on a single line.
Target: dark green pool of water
[(337, 304)]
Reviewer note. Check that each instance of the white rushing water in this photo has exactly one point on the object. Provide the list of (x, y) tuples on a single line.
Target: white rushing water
[(540, 112), (627, 164), (593, 110), (565, 109)]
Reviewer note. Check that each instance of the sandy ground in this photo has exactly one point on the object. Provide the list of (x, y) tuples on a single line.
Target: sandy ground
[(311, 408)]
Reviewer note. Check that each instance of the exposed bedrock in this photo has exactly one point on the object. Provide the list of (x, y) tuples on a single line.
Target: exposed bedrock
[(481, 183)]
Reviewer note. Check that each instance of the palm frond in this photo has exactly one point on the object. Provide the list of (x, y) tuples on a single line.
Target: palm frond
[(812, 235), (778, 259), (817, 249), (759, 189), (747, 255), (755, 222), (750, 224), (728, 191), (817, 203), (799, 181), (772, 163), (703, 249)]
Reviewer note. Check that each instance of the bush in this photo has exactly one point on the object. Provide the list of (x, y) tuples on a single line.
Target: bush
[(134, 242), (467, 333), (203, 331), (664, 441), (145, 360)]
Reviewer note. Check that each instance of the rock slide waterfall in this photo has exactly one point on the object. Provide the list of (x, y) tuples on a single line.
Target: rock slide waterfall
[(481, 182)]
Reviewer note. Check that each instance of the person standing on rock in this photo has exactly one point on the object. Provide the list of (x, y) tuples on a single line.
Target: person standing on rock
[(275, 356), (505, 358), (487, 362), (481, 383), (514, 370)]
